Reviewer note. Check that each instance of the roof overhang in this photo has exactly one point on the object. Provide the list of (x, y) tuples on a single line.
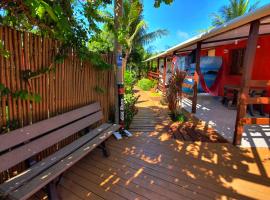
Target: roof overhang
[(237, 29)]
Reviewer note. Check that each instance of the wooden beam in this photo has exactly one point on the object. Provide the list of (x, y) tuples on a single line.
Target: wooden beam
[(233, 38), (196, 77), (259, 83), (250, 121), (183, 51), (258, 100), (244, 91)]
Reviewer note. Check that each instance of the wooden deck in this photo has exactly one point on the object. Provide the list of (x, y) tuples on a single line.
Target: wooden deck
[(222, 119), (151, 165)]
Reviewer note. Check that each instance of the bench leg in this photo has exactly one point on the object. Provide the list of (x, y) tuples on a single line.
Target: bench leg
[(104, 149), (52, 191)]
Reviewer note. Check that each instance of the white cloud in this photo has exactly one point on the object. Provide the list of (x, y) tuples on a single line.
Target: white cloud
[(182, 35)]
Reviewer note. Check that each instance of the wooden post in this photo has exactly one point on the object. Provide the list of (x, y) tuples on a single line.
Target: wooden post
[(246, 77), (158, 65), (173, 66), (164, 74), (196, 77)]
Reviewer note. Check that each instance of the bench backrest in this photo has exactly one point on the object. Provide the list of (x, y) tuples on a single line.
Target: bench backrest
[(21, 144)]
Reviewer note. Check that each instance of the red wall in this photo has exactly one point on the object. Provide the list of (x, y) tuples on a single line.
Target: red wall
[(261, 69)]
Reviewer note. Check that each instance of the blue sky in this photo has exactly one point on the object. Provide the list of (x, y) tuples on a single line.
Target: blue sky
[(183, 19)]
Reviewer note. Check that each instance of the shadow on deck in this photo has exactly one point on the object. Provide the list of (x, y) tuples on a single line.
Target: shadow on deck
[(151, 165), (211, 110)]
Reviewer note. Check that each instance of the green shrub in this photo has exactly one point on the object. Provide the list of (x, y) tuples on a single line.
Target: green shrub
[(130, 108), (130, 99), (146, 84), (178, 117), (130, 80)]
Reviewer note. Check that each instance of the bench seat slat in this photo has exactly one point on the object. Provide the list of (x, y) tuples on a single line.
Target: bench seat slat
[(47, 176), (36, 169), (24, 134), (26, 151)]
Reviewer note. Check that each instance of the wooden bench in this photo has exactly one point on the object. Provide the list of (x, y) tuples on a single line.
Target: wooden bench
[(23, 144)]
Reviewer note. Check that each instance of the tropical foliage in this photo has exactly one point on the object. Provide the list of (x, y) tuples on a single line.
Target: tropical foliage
[(133, 29), (132, 35), (130, 98), (174, 92), (130, 81), (234, 9), (71, 22), (146, 84), (158, 2)]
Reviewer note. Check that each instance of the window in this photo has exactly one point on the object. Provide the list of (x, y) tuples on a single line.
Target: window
[(237, 61), (212, 52)]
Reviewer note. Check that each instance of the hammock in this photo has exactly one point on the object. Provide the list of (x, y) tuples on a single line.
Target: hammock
[(214, 89)]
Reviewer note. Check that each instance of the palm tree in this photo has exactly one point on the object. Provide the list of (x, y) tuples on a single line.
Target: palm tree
[(133, 29), (235, 9)]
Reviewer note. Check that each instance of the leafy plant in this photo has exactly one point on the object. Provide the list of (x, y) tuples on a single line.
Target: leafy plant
[(133, 29), (234, 9), (146, 84), (19, 94), (130, 99), (174, 91), (158, 2), (10, 125), (179, 117), (130, 108), (71, 22), (99, 90), (130, 80), (3, 52), (28, 74)]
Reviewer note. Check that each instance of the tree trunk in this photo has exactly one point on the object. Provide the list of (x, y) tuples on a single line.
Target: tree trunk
[(124, 62)]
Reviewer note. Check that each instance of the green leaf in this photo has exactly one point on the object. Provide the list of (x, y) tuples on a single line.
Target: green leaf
[(40, 11), (49, 10), (2, 87), (36, 98)]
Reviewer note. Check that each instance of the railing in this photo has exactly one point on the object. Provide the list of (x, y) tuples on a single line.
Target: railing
[(255, 100), (153, 75)]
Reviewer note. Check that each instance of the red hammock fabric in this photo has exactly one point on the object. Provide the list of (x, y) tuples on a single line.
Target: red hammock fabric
[(174, 60), (214, 89)]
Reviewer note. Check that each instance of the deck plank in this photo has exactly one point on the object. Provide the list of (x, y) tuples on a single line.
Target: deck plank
[(152, 165)]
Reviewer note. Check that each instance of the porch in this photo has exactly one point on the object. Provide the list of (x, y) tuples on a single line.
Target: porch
[(249, 32), (151, 165), (222, 119)]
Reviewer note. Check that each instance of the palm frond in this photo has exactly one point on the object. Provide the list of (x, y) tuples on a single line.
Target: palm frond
[(217, 19), (150, 37), (139, 26), (253, 6), (234, 9)]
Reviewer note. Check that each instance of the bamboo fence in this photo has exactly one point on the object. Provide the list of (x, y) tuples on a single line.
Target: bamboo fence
[(72, 84)]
